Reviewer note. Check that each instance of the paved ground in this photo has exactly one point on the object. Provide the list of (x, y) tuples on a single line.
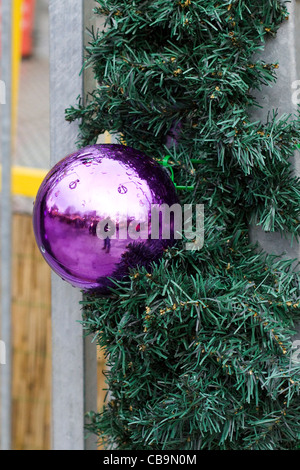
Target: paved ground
[(33, 133), (33, 142)]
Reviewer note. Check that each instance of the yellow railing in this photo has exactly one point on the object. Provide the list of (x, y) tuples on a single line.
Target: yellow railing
[(26, 181)]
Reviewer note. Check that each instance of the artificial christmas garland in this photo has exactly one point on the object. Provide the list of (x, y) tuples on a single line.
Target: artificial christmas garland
[(199, 347)]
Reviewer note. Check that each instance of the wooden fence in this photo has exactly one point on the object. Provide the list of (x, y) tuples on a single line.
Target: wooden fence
[(31, 341)]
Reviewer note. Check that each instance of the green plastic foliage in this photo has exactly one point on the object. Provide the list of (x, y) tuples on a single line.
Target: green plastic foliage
[(200, 349)]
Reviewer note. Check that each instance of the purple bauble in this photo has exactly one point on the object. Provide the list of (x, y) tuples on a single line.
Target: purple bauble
[(92, 215)]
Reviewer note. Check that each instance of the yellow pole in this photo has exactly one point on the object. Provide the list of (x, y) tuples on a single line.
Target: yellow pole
[(16, 59)]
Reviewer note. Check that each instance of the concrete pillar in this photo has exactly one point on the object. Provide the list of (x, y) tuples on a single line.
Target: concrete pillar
[(284, 49), (281, 49), (6, 220), (74, 360)]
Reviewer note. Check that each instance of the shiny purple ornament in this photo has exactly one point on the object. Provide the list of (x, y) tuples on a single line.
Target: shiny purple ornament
[(92, 215)]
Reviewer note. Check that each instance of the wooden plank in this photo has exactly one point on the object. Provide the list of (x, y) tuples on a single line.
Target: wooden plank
[(68, 346), (31, 328)]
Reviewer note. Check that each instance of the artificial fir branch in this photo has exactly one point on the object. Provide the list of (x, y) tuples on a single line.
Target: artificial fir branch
[(199, 348)]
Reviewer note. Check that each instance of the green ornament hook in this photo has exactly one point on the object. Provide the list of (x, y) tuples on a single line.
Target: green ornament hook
[(165, 163)]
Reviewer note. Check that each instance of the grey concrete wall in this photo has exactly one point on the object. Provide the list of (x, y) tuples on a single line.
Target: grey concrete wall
[(284, 49), (74, 366)]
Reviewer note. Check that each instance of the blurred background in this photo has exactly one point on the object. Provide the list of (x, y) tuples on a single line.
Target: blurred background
[(31, 276)]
